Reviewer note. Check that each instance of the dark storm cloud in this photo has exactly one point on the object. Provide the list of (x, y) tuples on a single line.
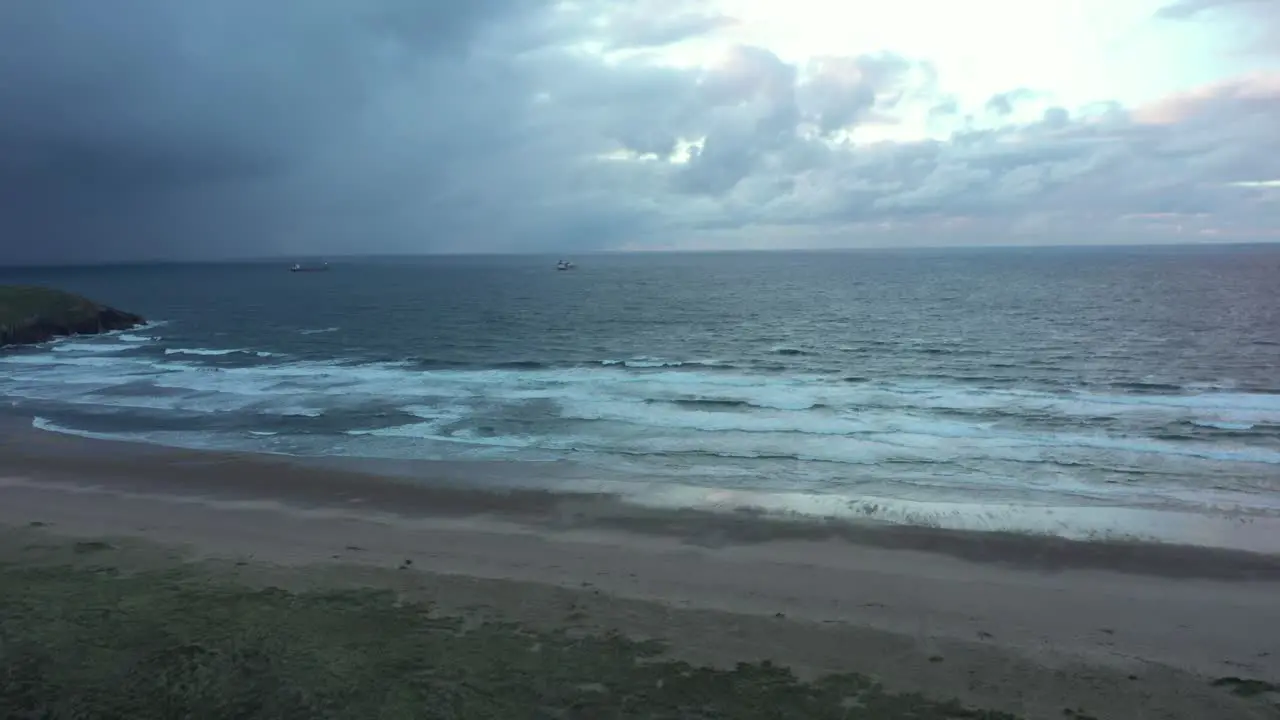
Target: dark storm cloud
[(844, 91), (757, 105), (162, 128), (751, 103), (208, 85), (1184, 157), (151, 128)]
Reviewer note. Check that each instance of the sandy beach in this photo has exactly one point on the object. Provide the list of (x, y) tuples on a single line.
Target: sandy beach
[(1033, 626)]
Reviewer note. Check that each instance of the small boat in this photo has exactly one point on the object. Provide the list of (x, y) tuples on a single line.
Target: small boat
[(565, 265), (313, 268)]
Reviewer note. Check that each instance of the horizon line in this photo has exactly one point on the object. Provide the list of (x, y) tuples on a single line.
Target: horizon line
[(293, 258)]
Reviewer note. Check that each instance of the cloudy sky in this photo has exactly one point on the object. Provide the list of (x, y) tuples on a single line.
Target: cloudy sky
[(161, 129)]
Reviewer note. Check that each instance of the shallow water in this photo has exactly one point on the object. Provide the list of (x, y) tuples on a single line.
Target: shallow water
[(907, 386)]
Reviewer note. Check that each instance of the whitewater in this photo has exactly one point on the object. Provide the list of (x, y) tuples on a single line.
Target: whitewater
[(974, 402)]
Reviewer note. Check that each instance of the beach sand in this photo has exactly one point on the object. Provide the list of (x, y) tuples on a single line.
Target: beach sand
[(1034, 626)]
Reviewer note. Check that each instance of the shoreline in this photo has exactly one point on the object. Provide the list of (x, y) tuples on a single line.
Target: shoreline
[(1191, 471), (513, 492), (1022, 624)]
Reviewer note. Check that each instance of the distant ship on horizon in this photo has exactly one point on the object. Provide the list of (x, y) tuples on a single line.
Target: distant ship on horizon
[(565, 265), (297, 267)]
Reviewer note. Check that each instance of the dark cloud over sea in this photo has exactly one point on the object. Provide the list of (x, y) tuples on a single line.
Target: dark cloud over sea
[(150, 129)]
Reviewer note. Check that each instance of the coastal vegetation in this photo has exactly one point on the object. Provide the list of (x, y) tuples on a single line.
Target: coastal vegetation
[(81, 639), (30, 314)]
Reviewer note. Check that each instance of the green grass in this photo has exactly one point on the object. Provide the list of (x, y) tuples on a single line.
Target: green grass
[(20, 303), (86, 642)]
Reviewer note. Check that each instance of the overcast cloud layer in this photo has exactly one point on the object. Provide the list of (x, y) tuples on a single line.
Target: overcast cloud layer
[(142, 129)]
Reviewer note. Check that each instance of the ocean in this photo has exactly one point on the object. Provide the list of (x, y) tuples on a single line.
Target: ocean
[(1077, 391)]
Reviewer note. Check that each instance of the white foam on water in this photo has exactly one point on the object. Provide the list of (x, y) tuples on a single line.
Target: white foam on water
[(675, 399), (1223, 424), (470, 436), (432, 412), (207, 352), (766, 392), (747, 446), (421, 431), (670, 416), (1256, 533), (129, 335), (787, 350), (318, 331), (1219, 523), (929, 437), (65, 361), (434, 419), (1223, 453), (133, 335), (853, 432), (295, 412), (430, 432), (435, 422), (178, 439), (92, 347), (1228, 407), (47, 425), (644, 362)]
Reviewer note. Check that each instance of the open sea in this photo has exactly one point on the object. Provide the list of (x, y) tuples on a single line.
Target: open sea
[(1085, 392)]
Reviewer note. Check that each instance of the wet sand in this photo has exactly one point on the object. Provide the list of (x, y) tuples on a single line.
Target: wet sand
[(1024, 624)]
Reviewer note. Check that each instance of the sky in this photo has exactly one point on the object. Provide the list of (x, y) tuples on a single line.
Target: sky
[(153, 129)]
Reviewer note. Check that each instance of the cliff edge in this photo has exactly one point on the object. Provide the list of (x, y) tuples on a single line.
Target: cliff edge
[(36, 314)]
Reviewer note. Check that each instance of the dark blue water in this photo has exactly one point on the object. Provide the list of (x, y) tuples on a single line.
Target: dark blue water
[(1137, 377)]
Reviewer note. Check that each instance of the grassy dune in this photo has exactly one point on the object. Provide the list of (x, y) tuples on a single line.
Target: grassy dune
[(35, 314), (20, 302), (78, 640)]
